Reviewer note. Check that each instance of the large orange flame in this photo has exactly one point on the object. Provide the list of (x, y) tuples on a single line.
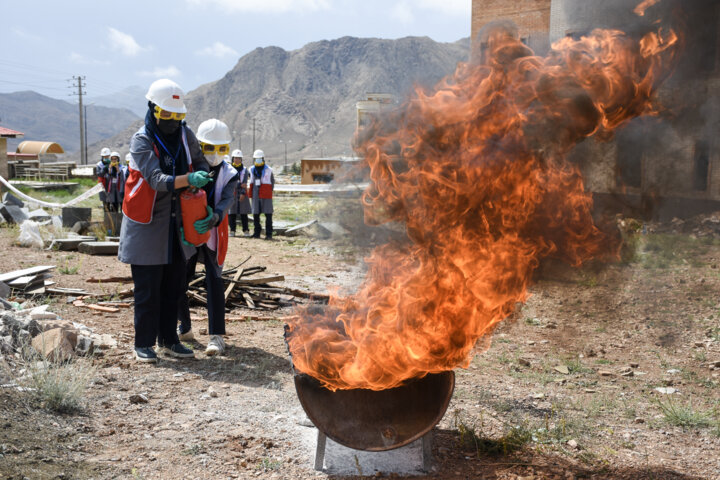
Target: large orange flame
[(476, 172)]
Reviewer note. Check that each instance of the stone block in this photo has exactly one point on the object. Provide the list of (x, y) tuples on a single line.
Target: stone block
[(72, 215), (13, 213), (10, 199), (99, 248)]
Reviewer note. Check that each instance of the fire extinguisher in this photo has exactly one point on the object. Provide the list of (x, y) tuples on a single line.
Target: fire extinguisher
[(193, 203)]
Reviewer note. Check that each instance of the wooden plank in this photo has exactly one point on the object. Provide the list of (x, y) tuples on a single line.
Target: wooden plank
[(92, 306), (230, 287), (5, 277), (248, 300), (22, 282), (259, 281), (110, 280)]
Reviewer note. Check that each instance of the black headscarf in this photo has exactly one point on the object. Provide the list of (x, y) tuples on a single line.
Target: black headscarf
[(173, 142)]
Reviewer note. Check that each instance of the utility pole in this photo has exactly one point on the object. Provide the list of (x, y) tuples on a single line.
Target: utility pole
[(80, 85), (253, 135)]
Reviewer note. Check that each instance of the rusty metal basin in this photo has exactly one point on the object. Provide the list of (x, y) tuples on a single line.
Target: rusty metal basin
[(377, 420)]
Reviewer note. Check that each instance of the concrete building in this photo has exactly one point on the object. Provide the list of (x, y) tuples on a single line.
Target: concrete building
[(325, 170), (661, 166), (6, 133)]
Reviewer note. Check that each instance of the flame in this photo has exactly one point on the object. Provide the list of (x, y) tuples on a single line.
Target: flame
[(476, 172), (643, 6)]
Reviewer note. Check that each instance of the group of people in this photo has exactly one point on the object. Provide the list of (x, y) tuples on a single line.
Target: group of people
[(166, 160), (111, 173)]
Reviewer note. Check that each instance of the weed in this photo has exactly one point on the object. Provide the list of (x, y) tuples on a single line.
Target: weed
[(532, 321), (194, 449), (59, 386), (68, 269), (681, 415), (514, 438), (267, 464), (576, 366)]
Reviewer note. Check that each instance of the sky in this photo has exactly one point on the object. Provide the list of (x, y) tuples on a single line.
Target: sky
[(125, 43)]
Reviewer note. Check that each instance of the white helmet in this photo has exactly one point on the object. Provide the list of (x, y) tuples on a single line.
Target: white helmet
[(105, 152), (167, 95), (128, 158), (236, 153), (214, 132), (259, 154), (115, 154)]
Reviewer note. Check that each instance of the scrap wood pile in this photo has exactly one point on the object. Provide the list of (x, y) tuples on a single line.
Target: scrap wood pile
[(250, 287)]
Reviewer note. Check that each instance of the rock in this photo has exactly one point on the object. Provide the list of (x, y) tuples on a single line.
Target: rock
[(80, 227), (212, 392), (99, 248), (524, 362), (51, 324), (104, 341), (699, 344), (673, 371), (666, 390), (538, 396), (562, 369), (84, 345), (639, 420), (6, 344), (573, 444), (634, 365), (57, 344), (138, 398), (4, 290), (605, 373)]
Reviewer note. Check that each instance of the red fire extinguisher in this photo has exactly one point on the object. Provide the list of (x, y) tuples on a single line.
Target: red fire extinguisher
[(193, 203)]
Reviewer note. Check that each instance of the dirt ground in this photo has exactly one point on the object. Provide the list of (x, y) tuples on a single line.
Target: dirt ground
[(567, 389)]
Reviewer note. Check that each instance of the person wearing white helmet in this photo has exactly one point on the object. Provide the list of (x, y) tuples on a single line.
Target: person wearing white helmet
[(262, 184), (113, 177), (214, 138), (99, 170), (165, 157), (241, 205)]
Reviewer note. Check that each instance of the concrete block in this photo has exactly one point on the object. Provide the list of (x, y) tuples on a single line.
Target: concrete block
[(112, 221), (412, 459), (13, 213), (99, 248), (10, 199), (39, 215), (72, 215), (70, 244)]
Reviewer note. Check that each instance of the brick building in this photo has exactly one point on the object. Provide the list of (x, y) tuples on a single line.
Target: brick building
[(662, 166)]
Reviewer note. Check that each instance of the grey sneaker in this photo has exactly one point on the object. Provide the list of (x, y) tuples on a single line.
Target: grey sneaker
[(187, 336), (178, 351), (145, 355), (216, 346)]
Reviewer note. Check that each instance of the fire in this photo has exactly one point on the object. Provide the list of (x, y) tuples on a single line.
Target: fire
[(476, 173), (643, 6)]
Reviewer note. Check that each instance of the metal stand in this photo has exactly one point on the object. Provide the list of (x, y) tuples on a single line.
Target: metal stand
[(335, 459)]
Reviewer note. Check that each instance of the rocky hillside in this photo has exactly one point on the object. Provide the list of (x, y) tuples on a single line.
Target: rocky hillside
[(308, 96), (44, 118)]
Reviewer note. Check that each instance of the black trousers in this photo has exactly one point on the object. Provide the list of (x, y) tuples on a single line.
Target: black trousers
[(215, 293), (157, 288), (257, 227), (232, 221)]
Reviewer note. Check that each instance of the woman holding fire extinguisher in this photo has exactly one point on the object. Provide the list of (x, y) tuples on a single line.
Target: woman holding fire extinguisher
[(165, 158), (214, 137)]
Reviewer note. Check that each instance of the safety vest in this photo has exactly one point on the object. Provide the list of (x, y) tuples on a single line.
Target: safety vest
[(219, 235), (266, 190), (139, 201)]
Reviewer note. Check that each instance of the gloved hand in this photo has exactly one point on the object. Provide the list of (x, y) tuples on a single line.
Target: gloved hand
[(182, 238), (199, 179), (202, 226)]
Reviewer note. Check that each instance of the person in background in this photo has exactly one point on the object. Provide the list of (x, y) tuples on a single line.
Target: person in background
[(241, 203), (165, 158), (214, 138), (99, 172), (262, 184), (114, 182)]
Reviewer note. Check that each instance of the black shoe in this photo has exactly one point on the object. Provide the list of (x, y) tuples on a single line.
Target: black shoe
[(268, 238), (145, 355), (256, 236), (178, 351)]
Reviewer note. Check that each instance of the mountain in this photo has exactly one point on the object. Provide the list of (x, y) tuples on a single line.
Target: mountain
[(44, 118), (130, 98), (307, 96)]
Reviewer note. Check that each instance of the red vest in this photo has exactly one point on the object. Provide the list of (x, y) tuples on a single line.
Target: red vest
[(266, 190), (139, 201)]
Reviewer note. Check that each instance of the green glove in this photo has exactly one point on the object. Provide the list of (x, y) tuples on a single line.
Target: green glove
[(182, 238), (202, 226), (199, 179)]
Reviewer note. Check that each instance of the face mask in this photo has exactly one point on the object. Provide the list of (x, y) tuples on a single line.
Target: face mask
[(214, 160), (106, 160), (237, 162), (259, 163), (168, 127)]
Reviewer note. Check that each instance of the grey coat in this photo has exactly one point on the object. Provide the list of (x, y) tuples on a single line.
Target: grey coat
[(262, 205), (99, 168), (148, 244), (241, 206)]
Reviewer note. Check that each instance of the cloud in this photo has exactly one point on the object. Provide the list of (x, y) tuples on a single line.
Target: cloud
[(402, 12), (452, 7), (161, 72), (264, 6), (83, 60), (26, 35), (123, 42), (218, 49)]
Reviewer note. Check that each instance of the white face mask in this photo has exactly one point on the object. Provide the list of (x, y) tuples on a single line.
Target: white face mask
[(214, 160)]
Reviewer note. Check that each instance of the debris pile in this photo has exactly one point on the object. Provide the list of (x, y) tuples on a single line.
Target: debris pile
[(247, 288)]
